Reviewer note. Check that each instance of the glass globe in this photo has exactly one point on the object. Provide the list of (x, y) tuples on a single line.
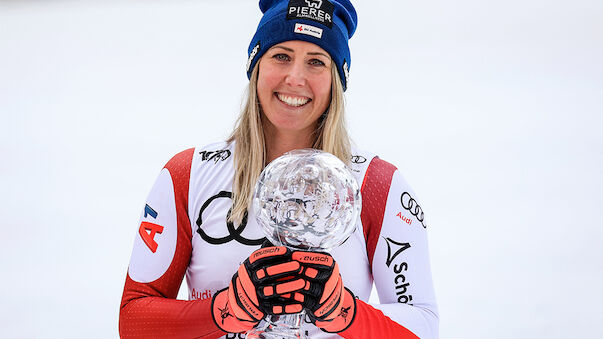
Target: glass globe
[(307, 199)]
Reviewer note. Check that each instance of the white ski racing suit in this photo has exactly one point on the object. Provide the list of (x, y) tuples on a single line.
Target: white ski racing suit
[(183, 230)]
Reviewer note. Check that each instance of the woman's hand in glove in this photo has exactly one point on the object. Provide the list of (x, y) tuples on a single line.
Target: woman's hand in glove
[(268, 282), (330, 305)]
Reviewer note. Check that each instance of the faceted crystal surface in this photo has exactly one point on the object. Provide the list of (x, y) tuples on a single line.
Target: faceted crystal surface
[(307, 199)]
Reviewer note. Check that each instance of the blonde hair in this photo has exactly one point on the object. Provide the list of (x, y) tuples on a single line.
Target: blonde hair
[(250, 149)]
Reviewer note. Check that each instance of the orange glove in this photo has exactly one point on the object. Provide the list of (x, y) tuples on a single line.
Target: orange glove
[(330, 305), (266, 283)]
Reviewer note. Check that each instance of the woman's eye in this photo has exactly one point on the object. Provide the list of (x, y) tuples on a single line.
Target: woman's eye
[(316, 62), (281, 57)]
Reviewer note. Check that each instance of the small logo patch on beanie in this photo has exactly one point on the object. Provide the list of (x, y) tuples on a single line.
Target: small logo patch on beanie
[(252, 55), (320, 11), (346, 72), (308, 30)]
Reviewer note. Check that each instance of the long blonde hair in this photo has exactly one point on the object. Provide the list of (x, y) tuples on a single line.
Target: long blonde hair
[(250, 150)]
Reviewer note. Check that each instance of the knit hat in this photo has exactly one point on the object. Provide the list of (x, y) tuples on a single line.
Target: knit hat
[(326, 23)]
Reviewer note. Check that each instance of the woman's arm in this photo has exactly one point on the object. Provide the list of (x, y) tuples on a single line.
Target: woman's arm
[(161, 254), (395, 232)]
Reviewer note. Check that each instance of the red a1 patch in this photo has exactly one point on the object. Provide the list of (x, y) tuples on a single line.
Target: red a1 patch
[(147, 232)]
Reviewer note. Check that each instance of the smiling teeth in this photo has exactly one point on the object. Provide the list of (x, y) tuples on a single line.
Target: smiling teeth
[(295, 102)]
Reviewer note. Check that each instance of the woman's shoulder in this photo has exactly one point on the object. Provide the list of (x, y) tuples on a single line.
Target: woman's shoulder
[(218, 145), (369, 167), (363, 156), (362, 159)]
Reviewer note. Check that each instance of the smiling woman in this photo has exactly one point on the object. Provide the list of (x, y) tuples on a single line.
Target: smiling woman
[(294, 90), (298, 70)]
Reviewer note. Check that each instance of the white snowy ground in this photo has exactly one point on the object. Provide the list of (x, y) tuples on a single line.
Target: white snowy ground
[(493, 111)]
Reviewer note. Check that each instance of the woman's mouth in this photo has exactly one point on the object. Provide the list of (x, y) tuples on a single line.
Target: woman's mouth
[(293, 101)]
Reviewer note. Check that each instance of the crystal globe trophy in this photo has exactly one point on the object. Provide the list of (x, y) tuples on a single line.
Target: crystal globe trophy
[(305, 200)]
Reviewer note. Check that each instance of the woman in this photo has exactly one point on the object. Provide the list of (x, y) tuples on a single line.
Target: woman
[(195, 221)]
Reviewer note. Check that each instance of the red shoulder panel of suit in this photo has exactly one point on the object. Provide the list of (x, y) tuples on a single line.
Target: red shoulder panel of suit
[(374, 190)]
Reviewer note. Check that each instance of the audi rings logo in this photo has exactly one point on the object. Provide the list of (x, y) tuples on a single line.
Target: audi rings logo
[(358, 159), (413, 207), (233, 233)]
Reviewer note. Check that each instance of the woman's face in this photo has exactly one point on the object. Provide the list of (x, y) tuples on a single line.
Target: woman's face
[(294, 86)]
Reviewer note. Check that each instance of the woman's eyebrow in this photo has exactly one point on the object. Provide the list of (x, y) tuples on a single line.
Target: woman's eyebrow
[(291, 50), (319, 53), (285, 48)]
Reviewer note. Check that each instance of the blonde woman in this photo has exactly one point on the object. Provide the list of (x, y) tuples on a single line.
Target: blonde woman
[(196, 220)]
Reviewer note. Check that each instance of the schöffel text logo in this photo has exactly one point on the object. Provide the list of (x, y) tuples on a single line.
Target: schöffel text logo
[(320, 11), (401, 283)]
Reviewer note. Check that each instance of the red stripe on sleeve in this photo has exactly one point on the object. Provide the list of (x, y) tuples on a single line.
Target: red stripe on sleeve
[(180, 171), (374, 190), (381, 326)]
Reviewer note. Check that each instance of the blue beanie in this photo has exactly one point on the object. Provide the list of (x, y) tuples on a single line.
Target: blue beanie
[(326, 23)]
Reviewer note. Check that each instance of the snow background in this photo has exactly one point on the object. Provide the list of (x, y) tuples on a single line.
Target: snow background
[(492, 110)]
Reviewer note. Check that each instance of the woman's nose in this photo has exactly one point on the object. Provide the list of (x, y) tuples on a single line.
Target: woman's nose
[(296, 76)]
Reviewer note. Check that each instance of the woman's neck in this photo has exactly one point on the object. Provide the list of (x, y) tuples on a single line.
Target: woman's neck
[(281, 142)]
